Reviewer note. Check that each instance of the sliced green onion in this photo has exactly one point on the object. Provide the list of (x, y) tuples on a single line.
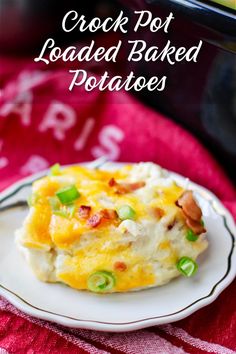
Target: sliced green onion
[(202, 222), (187, 266), (55, 170), (126, 212), (101, 281), (191, 236), (68, 194)]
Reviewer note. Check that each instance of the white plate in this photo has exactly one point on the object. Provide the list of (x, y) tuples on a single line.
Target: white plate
[(117, 312)]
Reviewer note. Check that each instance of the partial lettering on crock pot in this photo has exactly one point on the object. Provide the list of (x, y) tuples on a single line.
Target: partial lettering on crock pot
[(115, 230)]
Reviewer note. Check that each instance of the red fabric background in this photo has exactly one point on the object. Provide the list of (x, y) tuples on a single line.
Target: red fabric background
[(41, 123)]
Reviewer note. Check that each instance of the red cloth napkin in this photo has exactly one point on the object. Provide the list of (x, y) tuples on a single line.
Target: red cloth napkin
[(41, 123)]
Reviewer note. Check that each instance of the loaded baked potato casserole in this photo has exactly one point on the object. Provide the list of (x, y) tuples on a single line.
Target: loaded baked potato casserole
[(111, 230)]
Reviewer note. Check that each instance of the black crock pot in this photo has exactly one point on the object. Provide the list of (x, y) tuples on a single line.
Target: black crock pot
[(201, 96)]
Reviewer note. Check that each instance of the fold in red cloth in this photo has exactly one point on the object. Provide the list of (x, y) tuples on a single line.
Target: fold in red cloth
[(41, 123)]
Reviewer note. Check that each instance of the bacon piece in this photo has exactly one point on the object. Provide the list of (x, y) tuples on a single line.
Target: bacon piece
[(94, 220), (191, 211), (109, 214), (196, 226), (102, 215), (189, 206), (135, 185), (120, 266), (119, 188), (123, 188), (84, 211), (112, 182)]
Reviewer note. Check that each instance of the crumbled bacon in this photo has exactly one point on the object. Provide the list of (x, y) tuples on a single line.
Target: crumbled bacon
[(123, 188), (112, 182), (109, 214), (102, 215), (84, 211), (189, 206), (120, 266), (136, 185), (196, 226), (191, 211), (94, 220)]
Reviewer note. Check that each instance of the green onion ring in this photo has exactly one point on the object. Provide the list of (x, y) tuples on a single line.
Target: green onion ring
[(101, 281), (126, 212), (187, 266), (68, 194)]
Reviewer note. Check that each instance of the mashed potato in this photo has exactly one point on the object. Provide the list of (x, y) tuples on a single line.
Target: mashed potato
[(111, 231)]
